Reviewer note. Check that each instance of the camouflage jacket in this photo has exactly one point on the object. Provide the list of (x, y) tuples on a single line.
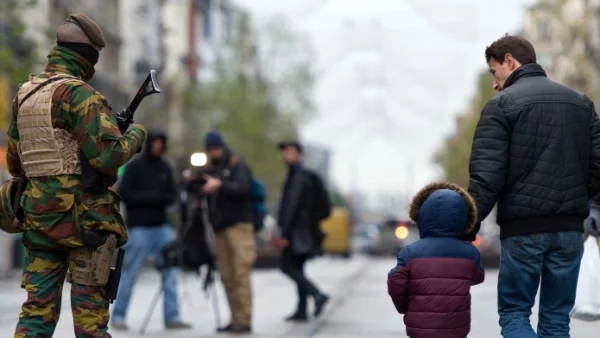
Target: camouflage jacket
[(56, 207)]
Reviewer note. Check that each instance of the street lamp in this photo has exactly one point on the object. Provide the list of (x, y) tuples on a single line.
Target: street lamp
[(198, 159)]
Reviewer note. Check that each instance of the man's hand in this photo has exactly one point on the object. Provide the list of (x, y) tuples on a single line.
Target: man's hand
[(279, 242), (212, 184), (592, 223), (187, 175), (123, 121)]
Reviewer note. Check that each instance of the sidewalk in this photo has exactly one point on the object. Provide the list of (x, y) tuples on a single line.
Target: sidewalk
[(274, 298)]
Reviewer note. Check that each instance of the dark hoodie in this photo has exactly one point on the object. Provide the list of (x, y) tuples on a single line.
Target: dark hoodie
[(431, 282), (147, 187)]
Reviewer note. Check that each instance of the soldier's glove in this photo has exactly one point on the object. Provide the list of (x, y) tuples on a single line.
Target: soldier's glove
[(592, 223), (123, 122)]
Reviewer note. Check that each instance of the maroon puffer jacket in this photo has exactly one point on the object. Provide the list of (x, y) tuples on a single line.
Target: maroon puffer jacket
[(432, 280)]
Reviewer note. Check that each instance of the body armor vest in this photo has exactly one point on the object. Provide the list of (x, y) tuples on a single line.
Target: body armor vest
[(43, 149)]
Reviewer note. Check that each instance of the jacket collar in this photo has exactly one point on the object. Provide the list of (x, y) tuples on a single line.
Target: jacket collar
[(530, 69)]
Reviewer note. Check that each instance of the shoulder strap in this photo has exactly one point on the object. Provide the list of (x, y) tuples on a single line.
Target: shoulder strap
[(40, 86)]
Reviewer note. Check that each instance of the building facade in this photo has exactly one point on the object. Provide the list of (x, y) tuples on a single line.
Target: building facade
[(198, 36), (566, 36), (141, 33), (198, 33)]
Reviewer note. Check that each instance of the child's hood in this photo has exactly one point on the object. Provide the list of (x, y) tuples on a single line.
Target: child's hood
[(443, 210)]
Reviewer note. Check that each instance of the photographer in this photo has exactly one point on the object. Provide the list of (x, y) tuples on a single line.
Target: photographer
[(226, 184)]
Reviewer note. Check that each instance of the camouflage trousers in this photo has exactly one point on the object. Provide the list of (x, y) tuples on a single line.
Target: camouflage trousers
[(43, 278)]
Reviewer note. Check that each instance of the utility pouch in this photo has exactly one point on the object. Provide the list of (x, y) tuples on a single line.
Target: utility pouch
[(91, 264)]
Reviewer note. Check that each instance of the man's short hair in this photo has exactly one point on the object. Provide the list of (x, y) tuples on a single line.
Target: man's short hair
[(517, 46), (292, 144)]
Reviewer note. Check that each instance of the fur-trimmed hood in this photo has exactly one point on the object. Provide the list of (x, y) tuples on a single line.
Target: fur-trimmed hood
[(443, 209)]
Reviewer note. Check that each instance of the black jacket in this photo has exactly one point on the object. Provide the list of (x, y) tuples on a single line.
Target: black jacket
[(298, 223), (536, 152), (148, 187), (231, 204)]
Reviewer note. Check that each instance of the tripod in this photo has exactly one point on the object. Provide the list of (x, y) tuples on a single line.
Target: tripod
[(159, 291), (172, 257)]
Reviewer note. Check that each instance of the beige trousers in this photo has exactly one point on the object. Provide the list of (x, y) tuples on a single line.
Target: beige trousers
[(236, 254)]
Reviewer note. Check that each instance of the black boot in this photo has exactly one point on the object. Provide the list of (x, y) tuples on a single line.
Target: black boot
[(320, 302), (240, 329), (298, 316), (225, 329), (235, 329)]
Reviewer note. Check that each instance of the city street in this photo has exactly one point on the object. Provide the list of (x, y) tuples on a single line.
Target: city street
[(360, 305)]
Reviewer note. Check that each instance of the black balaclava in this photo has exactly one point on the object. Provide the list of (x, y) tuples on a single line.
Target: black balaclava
[(86, 50)]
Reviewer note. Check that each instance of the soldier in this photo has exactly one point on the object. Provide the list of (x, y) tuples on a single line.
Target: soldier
[(55, 117)]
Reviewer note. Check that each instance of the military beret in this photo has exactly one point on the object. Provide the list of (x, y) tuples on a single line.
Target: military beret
[(89, 27)]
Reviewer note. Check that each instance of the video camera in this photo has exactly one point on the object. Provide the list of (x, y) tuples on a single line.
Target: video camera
[(196, 180)]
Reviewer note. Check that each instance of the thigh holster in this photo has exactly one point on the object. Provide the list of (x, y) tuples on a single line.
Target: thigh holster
[(89, 266)]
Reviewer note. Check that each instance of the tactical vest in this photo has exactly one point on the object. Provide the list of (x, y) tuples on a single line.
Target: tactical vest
[(43, 149)]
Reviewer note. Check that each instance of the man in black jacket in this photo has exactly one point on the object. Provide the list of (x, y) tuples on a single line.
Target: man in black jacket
[(148, 189), (302, 197), (226, 182), (536, 152)]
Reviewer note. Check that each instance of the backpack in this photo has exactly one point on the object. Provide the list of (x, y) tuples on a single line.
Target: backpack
[(259, 205), (258, 199), (322, 204)]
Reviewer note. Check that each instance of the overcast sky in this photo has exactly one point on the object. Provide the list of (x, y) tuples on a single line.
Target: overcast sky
[(396, 74)]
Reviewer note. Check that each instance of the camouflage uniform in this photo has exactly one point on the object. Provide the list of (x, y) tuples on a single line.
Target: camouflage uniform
[(57, 208)]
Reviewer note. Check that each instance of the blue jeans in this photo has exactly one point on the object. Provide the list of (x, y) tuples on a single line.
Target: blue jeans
[(553, 258), (144, 242)]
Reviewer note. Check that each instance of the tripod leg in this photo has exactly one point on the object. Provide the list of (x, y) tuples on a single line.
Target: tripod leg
[(215, 302), (151, 309)]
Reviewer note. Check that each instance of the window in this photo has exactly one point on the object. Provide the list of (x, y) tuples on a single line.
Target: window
[(227, 22), (544, 31), (206, 18)]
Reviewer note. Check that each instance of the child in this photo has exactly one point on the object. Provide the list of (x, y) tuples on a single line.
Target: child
[(431, 282)]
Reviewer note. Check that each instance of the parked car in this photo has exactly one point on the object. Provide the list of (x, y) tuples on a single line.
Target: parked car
[(365, 238), (338, 230), (386, 238), (395, 235)]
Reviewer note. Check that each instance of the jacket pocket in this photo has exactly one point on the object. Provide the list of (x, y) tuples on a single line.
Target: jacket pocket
[(54, 216), (100, 211)]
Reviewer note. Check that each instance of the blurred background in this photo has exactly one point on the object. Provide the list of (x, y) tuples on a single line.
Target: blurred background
[(384, 94)]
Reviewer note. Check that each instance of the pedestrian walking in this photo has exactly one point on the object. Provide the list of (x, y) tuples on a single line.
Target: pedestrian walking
[(536, 154), (304, 204), (432, 280)]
